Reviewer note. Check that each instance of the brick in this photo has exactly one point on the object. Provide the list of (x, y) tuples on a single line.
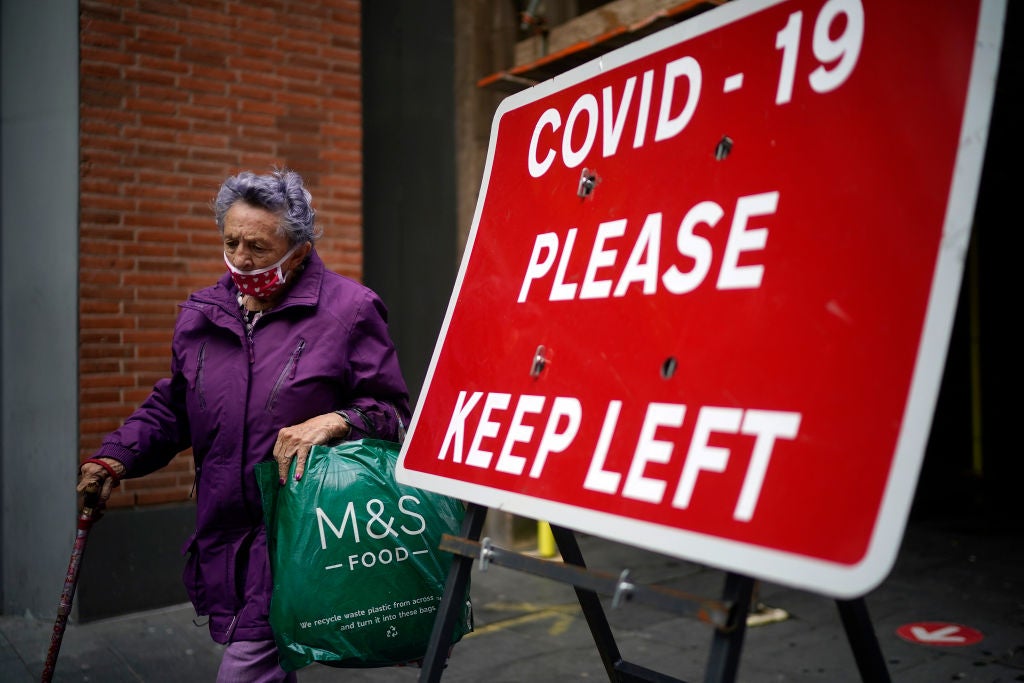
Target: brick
[(249, 11), (157, 352), (147, 277), (104, 351), (167, 95), (160, 268), (161, 50), (261, 51), (345, 6), (342, 108), (255, 74), (248, 91), (161, 7), (150, 370), (100, 383), (157, 19), (151, 307), (297, 99), (301, 129), (100, 98), (98, 339), (201, 17), (149, 65), (99, 277), (299, 72), (112, 322), (266, 107), (253, 120), (342, 80), (203, 223), (164, 479), (102, 426), (120, 499), (341, 55), (111, 395), (97, 55), (94, 306), (98, 366), (119, 116), (153, 102), (99, 186), (104, 292), (202, 112), (98, 10), (167, 35), (135, 221), (201, 167), (99, 217), (94, 409), (94, 72), (98, 157), (343, 134)]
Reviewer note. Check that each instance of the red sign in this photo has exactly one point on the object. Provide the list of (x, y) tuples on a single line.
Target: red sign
[(708, 290), (939, 633)]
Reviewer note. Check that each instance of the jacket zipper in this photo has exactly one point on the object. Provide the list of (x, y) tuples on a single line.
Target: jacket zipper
[(288, 373), (195, 482), (199, 376)]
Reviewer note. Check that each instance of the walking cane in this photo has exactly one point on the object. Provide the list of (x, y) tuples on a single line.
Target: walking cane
[(91, 505)]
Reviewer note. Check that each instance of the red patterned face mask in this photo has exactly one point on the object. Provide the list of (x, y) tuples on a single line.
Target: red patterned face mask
[(262, 282)]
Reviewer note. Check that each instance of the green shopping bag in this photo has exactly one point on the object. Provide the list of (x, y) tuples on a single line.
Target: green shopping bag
[(357, 573)]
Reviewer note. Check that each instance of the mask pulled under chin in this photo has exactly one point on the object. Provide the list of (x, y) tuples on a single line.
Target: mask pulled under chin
[(262, 282)]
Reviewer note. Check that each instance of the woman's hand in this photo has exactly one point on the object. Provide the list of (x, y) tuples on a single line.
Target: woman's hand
[(296, 441), (92, 473)]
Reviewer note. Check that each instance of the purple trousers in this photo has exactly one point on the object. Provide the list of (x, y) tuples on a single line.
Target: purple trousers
[(253, 661)]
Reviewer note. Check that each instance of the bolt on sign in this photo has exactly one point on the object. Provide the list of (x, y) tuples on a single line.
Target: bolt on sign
[(707, 295)]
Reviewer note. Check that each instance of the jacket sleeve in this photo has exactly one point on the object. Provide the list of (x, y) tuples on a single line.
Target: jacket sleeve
[(378, 403), (153, 434)]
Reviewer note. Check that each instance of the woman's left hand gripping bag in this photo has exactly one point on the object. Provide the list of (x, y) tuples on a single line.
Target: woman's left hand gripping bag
[(358, 576)]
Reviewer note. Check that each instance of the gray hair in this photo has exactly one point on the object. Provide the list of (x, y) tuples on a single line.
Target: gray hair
[(280, 192)]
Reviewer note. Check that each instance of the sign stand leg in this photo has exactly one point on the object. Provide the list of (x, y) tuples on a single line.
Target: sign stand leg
[(452, 602), (727, 643), (565, 539), (860, 633), (619, 670)]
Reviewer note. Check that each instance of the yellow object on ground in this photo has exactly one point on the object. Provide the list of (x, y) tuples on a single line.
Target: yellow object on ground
[(545, 540)]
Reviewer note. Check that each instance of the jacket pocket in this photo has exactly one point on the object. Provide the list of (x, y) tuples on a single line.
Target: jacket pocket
[(191, 576), (210, 575)]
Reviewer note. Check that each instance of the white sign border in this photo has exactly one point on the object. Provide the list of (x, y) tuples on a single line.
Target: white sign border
[(832, 579)]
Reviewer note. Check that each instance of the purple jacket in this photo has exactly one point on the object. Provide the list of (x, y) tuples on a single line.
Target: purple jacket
[(325, 347)]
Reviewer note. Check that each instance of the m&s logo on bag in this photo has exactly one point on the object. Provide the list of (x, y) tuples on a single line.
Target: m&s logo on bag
[(378, 525)]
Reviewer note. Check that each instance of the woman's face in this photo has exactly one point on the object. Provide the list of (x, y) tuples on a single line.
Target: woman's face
[(253, 240)]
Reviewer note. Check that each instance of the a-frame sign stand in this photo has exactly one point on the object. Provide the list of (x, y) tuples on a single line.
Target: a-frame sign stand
[(727, 615), (617, 172)]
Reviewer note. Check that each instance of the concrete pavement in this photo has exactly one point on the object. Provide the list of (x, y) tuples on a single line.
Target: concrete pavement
[(957, 573)]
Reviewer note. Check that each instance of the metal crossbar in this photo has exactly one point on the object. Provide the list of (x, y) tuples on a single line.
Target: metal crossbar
[(715, 612)]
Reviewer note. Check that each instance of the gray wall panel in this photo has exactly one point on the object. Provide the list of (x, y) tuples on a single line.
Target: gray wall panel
[(38, 300)]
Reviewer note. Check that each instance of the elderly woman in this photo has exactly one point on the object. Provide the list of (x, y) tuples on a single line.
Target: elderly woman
[(279, 355)]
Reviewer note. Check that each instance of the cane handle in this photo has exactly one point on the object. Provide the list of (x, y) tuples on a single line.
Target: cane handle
[(91, 499)]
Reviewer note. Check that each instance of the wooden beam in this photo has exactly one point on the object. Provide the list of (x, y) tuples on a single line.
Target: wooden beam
[(613, 16)]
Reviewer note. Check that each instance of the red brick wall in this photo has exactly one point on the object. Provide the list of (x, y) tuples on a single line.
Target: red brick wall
[(176, 96)]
